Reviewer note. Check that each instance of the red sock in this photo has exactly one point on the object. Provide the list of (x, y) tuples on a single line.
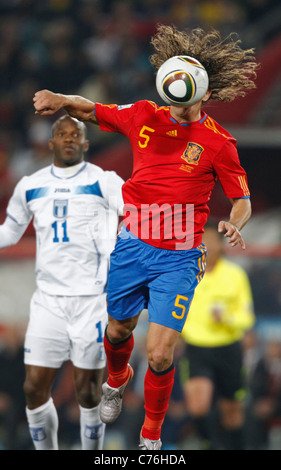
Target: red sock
[(157, 391), (118, 356)]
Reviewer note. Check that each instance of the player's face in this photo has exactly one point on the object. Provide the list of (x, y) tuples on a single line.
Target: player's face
[(68, 144), (189, 113)]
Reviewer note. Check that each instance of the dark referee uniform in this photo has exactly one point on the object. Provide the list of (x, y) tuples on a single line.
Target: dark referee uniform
[(214, 349)]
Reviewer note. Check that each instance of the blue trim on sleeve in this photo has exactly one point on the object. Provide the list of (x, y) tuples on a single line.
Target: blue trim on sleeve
[(12, 218), (242, 197), (36, 193)]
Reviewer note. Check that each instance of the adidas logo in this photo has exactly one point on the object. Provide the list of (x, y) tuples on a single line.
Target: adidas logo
[(172, 133)]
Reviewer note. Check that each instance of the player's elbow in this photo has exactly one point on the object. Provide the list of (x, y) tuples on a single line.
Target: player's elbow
[(243, 210)]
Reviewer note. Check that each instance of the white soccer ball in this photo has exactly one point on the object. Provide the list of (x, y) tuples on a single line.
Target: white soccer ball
[(182, 81)]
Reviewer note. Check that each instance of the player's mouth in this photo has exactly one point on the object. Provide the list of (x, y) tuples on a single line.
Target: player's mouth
[(69, 148)]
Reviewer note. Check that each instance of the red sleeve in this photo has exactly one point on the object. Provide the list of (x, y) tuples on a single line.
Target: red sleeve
[(232, 176), (114, 118)]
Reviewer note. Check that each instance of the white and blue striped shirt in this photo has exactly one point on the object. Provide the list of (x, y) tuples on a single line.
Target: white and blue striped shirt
[(75, 215)]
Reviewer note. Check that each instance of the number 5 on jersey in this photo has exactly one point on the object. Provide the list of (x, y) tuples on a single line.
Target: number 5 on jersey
[(145, 136)]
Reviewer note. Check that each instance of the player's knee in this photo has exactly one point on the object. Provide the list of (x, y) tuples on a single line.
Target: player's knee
[(88, 393), (159, 359), (87, 399), (119, 331), (34, 394), (29, 388), (115, 335)]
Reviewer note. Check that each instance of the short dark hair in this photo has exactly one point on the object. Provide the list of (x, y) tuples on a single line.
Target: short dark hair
[(79, 124)]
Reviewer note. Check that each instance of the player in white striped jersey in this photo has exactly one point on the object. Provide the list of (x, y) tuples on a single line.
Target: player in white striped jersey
[(75, 207)]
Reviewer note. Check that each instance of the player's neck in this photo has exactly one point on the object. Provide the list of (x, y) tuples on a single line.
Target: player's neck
[(67, 171)]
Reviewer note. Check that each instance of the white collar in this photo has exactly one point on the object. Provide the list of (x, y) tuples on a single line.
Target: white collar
[(67, 172)]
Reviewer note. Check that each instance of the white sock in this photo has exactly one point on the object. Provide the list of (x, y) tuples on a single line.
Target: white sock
[(43, 426), (92, 429)]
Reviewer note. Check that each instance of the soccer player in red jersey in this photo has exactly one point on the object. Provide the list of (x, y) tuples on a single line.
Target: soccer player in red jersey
[(179, 153)]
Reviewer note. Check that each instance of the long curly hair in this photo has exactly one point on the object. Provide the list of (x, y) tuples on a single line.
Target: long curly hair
[(231, 69)]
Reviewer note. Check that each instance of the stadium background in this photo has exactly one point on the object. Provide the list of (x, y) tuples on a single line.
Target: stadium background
[(100, 49)]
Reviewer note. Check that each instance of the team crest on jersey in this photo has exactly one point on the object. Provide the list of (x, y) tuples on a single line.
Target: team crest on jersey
[(60, 208), (192, 153)]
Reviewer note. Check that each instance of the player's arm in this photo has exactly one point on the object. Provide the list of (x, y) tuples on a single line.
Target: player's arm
[(11, 232), (18, 216), (239, 216), (47, 103)]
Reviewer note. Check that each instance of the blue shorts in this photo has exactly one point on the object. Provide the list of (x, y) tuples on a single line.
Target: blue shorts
[(163, 281)]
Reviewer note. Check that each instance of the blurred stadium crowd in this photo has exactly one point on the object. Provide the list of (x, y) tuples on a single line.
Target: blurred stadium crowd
[(100, 49)]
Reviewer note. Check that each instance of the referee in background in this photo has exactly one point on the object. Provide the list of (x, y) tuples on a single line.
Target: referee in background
[(220, 314)]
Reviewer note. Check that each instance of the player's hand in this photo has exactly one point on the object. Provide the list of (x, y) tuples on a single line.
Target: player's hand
[(46, 102), (231, 231)]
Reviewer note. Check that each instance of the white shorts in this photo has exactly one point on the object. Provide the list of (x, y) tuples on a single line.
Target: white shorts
[(63, 328)]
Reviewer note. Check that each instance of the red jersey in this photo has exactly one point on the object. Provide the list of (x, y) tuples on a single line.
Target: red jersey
[(175, 167)]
